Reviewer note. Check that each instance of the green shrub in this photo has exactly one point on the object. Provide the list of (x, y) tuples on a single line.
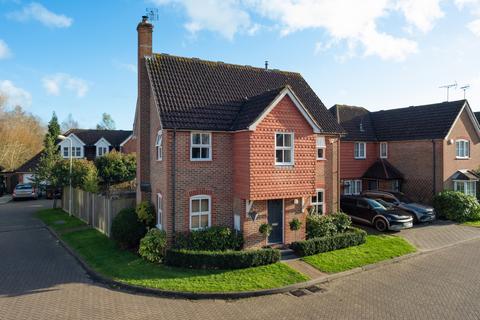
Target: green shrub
[(327, 225), (127, 230), (352, 237), (146, 213), (456, 206), (153, 245), (210, 239), (265, 229), (295, 224), (221, 259)]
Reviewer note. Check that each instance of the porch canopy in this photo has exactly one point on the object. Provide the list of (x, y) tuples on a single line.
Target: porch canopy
[(465, 175), (382, 170)]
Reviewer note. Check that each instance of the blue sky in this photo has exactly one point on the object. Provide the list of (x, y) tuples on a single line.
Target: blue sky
[(79, 57)]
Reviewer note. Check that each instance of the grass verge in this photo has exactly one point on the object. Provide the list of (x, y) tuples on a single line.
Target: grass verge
[(472, 223), (377, 248), (58, 220), (105, 257)]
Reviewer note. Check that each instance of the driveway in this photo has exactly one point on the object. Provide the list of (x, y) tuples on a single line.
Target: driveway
[(39, 280)]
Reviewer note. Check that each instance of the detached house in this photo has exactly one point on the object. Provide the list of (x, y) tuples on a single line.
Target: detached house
[(86, 144), (231, 145), (419, 150)]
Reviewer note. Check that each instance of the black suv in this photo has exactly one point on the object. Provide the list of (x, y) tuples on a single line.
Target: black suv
[(372, 212), (419, 212)]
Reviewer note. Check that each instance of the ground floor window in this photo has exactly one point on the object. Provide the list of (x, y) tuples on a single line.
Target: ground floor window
[(372, 184), (352, 187), (318, 202), (467, 187), (396, 185), (200, 212), (159, 211)]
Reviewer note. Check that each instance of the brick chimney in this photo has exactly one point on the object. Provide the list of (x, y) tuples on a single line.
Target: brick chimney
[(144, 30)]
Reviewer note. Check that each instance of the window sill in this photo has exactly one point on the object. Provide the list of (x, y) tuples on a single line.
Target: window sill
[(159, 227), (462, 158), (321, 159), (360, 158), (200, 160)]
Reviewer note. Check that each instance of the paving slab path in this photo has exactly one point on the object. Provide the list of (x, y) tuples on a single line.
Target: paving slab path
[(39, 280)]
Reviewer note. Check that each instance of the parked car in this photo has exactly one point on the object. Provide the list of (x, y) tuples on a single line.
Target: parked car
[(366, 210), (51, 192), (419, 212), (24, 191)]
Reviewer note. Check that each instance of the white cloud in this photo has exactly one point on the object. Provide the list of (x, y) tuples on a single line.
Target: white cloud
[(474, 26), (352, 22), (421, 13), (36, 11), (15, 95), (223, 16), (4, 50), (125, 66), (54, 84)]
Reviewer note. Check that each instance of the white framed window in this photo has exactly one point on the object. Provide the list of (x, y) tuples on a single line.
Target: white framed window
[(101, 151), (383, 150), (360, 150), (284, 148), (200, 212), (321, 147), (467, 187), (318, 202), (159, 211), (462, 149), (159, 145), (65, 152), (201, 146), (352, 187), (396, 185), (77, 152)]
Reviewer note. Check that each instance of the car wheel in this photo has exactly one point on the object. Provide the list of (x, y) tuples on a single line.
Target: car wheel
[(415, 219), (380, 225)]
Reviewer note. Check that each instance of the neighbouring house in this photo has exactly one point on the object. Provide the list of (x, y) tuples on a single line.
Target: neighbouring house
[(86, 144), (231, 145), (419, 150)]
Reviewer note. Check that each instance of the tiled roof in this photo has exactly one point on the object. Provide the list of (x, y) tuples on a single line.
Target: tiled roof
[(356, 121), (477, 115), (91, 136), (204, 95), (382, 169), (31, 164), (431, 121)]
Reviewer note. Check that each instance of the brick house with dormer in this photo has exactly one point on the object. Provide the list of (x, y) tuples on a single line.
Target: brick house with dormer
[(419, 150), (231, 145)]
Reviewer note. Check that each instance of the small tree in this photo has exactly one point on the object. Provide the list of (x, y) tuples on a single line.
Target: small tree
[(84, 175), (115, 167), (107, 123), (49, 161)]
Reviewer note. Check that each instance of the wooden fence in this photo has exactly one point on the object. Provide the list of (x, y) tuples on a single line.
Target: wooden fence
[(96, 209)]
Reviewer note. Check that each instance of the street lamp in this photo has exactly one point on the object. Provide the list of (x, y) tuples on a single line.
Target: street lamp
[(62, 137)]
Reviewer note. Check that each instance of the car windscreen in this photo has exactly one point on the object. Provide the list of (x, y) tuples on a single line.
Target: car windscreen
[(375, 204), (23, 186)]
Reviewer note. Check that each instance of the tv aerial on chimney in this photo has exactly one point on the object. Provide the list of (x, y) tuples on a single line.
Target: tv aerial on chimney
[(448, 86), (152, 14)]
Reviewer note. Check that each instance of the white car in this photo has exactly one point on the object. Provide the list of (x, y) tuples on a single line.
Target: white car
[(25, 191)]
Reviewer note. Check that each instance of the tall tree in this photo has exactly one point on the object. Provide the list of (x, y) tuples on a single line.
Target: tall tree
[(50, 168), (21, 135), (69, 123), (107, 122)]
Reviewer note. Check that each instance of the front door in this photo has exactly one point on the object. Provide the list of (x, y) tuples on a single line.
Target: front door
[(275, 219)]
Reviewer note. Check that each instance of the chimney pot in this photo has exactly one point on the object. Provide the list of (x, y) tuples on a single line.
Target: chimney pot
[(144, 19)]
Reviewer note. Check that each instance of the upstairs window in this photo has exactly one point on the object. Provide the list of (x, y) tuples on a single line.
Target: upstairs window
[(317, 202), (200, 212), (284, 148), (159, 145), (321, 146), (360, 151), (101, 151), (462, 149), (383, 150), (201, 146)]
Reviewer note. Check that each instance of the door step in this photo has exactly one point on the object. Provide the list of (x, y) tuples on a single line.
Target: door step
[(287, 254)]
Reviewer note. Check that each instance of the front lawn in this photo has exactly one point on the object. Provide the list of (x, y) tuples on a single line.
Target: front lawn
[(376, 248), (472, 223), (106, 258), (58, 220)]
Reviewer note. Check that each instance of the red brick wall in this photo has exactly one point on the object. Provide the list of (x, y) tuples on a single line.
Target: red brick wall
[(241, 164), (130, 146), (352, 168)]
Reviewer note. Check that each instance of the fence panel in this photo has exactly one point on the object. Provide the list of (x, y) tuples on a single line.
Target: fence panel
[(96, 209)]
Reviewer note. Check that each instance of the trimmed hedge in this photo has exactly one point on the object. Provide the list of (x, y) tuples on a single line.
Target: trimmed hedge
[(221, 259), (210, 239), (327, 225), (456, 206), (352, 237)]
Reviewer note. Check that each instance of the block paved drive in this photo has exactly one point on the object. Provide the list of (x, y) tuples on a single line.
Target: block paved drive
[(39, 280)]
